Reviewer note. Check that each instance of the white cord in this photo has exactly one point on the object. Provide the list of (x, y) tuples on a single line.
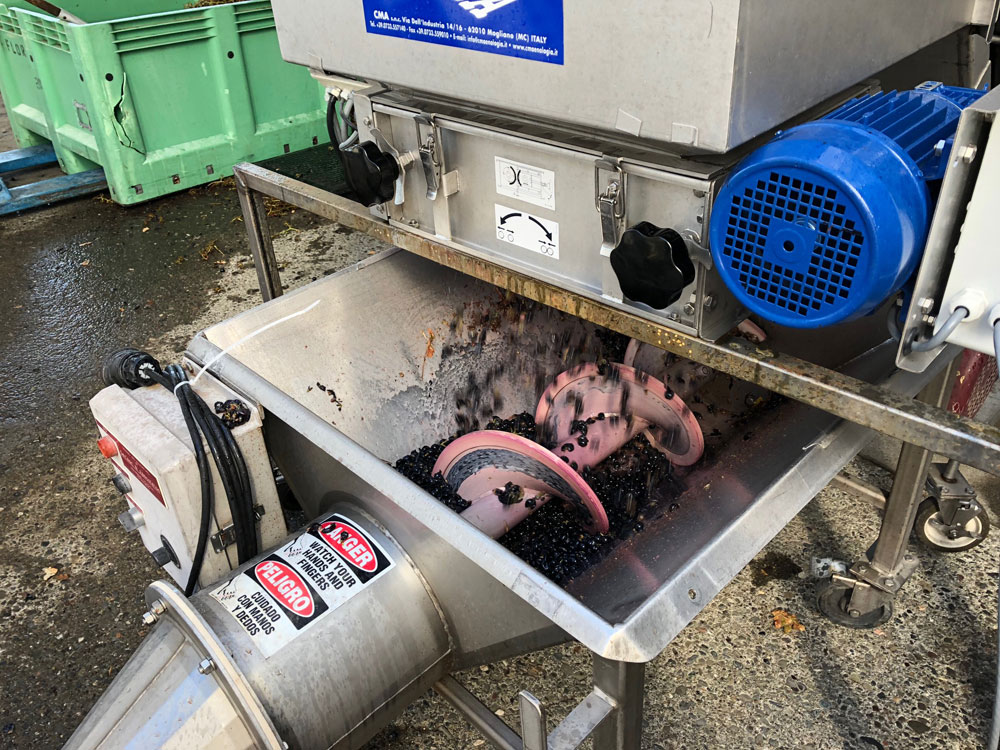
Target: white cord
[(243, 340)]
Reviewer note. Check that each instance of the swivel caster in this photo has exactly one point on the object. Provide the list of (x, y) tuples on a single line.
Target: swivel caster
[(833, 598), (967, 530)]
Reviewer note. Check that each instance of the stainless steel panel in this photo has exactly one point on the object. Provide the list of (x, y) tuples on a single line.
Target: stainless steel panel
[(498, 626), (678, 196), (703, 75), (950, 231), (369, 328), (882, 408), (795, 53), (334, 683)]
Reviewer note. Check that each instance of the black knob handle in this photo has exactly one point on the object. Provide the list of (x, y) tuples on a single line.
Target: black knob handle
[(370, 172), (652, 265)]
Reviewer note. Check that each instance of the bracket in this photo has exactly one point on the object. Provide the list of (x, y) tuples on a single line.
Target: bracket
[(226, 536)]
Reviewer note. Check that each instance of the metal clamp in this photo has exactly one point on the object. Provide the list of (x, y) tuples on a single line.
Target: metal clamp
[(226, 536), (428, 155), (610, 202)]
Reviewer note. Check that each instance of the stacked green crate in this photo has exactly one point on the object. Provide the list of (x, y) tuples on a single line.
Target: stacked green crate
[(162, 102)]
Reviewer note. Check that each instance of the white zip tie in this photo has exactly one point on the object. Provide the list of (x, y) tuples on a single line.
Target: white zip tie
[(243, 340)]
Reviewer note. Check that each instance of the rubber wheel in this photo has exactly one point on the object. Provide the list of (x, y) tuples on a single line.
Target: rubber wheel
[(832, 599), (933, 534)]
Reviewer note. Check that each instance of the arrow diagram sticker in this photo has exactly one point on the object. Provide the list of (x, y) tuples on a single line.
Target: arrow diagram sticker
[(525, 230)]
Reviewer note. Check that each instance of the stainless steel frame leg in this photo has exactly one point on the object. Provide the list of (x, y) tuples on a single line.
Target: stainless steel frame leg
[(261, 247), (624, 685), (879, 578)]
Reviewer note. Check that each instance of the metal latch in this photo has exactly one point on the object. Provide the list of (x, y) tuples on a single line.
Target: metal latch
[(226, 536), (428, 155), (430, 167), (610, 202)]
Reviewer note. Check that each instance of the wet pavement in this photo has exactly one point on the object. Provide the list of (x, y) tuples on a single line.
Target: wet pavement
[(86, 277)]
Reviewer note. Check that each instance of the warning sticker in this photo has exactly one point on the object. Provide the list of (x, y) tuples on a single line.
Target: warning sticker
[(288, 591), (524, 182), (525, 230)]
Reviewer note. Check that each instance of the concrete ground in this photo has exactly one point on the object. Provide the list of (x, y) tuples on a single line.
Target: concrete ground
[(85, 277)]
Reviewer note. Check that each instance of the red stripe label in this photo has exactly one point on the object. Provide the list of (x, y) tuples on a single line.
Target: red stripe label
[(134, 467)]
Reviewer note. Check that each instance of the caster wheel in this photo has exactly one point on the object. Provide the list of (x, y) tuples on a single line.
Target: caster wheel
[(833, 599), (935, 535)]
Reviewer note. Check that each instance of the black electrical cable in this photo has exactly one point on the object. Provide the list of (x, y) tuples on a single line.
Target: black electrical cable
[(131, 368), (229, 462), (206, 428), (331, 122), (205, 474)]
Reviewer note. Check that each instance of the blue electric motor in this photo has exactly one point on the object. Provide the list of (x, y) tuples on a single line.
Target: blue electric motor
[(827, 220)]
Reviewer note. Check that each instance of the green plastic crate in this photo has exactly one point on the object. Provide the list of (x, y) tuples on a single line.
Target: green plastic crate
[(92, 11), (162, 102)]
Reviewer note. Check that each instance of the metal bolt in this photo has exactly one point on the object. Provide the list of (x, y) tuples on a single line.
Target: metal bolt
[(689, 309), (158, 607), (709, 302), (367, 122), (854, 613), (939, 148), (889, 582), (926, 304), (968, 154), (148, 618), (206, 666), (414, 223)]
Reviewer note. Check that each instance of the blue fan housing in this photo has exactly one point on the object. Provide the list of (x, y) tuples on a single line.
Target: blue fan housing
[(828, 219)]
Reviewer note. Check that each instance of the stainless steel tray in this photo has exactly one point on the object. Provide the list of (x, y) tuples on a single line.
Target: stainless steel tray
[(370, 339)]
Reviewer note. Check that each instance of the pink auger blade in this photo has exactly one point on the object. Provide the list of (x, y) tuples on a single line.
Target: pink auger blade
[(477, 464)]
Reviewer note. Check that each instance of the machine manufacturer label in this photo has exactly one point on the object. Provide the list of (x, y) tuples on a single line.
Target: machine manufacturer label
[(524, 182), (288, 591), (528, 231), (530, 29)]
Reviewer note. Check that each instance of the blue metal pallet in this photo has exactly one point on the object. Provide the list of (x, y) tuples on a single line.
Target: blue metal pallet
[(47, 191)]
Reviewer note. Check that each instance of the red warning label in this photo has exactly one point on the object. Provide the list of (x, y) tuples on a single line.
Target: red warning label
[(294, 587)]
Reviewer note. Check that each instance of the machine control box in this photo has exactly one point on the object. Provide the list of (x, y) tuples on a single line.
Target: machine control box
[(145, 439)]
